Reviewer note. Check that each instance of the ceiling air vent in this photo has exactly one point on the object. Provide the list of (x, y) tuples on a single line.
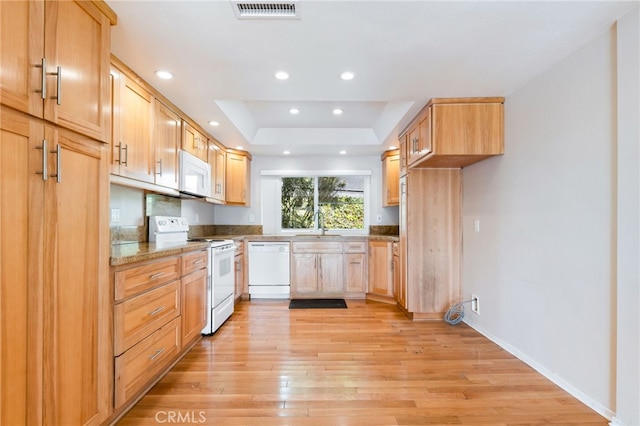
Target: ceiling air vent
[(267, 9)]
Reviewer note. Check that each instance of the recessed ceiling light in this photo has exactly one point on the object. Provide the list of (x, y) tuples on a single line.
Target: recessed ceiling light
[(163, 74), (343, 152), (294, 110), (286, 152), (214, 123), (347, 75), (337, 111), (282, 75)]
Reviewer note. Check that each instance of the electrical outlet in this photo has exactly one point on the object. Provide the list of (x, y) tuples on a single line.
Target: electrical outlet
[(252, 218), (197, 218), (475, 304), (476, 225), (115, 215), (379, 218)]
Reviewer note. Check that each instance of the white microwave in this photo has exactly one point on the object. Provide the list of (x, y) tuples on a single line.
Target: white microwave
[(195, 175)]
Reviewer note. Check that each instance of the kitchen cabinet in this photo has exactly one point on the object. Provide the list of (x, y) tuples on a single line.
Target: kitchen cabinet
[(355, 266), (159, 311), (238, 178), (133, 152), (194, 295), (390, 178), (217, 161), (403, 152), (54, 284), (55, 62), (317, 268), (239, 270), (399, 291), (455, 132), (194, 142), (430, 241), (380, 269), (166, 138)]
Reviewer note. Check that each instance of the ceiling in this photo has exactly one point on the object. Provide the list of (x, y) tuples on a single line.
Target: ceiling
[(402, 53)]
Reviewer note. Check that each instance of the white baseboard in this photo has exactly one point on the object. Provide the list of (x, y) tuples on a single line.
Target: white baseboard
[(568, 387)]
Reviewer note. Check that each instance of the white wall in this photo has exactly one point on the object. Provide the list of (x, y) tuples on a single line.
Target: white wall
[(226, 215), (628, 272), (544, 261), (130, 202)]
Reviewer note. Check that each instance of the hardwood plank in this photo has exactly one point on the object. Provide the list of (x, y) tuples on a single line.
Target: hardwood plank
[(365, 365)]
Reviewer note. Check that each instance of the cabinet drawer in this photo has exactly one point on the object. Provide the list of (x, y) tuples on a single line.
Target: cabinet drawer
[(137, 317), (355, 247), (194, 261), (131, 281), (137, 366), (317, 247)]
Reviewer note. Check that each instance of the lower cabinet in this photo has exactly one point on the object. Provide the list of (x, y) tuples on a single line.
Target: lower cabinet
[(380, 269), (239, 270), (328, 269), (159, 312), (399, 291)]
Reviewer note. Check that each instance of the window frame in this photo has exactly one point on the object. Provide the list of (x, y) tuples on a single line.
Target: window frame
[(366, 174)]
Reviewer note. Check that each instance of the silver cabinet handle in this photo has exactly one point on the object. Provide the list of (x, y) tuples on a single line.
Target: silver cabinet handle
[(126, 155), (43, 81), (158, 352), (157, 275), (58, 75), (58, 173), (160, 163), (44, 172), (197, 262), (156, 310)]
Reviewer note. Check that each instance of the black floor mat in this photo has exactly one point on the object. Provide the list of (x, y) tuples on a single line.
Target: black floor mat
[(317, 304)]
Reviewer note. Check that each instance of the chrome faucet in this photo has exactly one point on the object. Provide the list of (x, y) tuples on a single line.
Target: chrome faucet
[(320, 216)]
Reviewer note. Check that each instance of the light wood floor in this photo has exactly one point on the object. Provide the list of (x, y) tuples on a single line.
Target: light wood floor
[(365, 365)]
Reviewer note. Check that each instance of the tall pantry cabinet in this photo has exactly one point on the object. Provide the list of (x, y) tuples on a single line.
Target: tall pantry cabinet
[(55, 317)]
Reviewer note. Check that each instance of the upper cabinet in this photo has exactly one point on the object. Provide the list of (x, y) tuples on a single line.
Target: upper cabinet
[(391, 178), (166, 138), (132, 104), (194, 142), (238, 178), (55, 62), (217, 161), (455, 132)]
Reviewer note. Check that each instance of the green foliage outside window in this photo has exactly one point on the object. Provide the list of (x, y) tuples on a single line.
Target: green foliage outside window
[(339, 199)]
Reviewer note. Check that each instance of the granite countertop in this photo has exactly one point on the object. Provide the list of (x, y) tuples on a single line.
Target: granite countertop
[(129, 252), (123, 253)]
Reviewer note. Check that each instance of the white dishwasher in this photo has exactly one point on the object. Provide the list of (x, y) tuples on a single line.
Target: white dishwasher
[(269, 276)]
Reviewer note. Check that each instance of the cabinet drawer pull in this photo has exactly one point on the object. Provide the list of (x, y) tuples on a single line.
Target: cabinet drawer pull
[(43, 81), (44, 172), (58, 153), (156, 310), (154, 276), (197, 262), (158, 352)]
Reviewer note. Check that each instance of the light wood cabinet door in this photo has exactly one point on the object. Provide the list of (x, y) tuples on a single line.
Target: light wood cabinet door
[(78, 378), (77, 48), (239, 275), (399, 291), (194, 142), (21, 54), (237, 179), (403, 154), (133, 154), (217, 160), (21, 267), (55, 63), (304, 273), (390, 178), (194, 293), (356, 272), (166, 138), (330, 273), (380, 273)]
